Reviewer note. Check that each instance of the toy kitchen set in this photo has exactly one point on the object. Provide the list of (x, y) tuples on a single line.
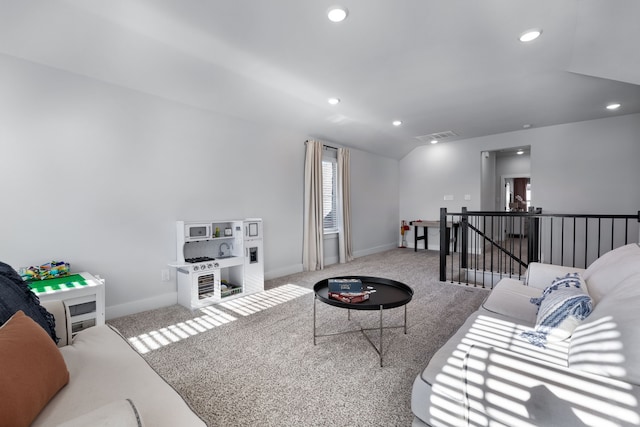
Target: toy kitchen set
[(218, 261)]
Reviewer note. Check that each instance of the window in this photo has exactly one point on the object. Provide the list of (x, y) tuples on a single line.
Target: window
[(329, 195)]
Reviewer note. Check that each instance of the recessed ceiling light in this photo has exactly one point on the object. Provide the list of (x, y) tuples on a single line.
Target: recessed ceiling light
[(333, 101), (337, 13), (613, 106), (434, 141), (397, 122), (519, 152), (530, 35), (527, 126)]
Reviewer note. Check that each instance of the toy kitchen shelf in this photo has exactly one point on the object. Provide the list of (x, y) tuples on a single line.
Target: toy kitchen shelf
[(218, 261), (82, 293)]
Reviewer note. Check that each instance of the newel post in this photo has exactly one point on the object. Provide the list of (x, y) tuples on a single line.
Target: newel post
[(534, 235), (464, 244), (443, 244)]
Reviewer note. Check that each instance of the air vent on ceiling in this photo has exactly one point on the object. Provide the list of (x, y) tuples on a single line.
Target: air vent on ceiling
[(438, 136)]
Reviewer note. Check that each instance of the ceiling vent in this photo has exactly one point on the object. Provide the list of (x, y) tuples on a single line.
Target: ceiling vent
[(438, 136)]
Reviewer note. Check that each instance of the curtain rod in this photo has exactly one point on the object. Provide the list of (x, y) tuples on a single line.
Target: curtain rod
[(325, 145)]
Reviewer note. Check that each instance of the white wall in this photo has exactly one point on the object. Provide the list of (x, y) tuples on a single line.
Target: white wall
[(589, 167), (374, 203), (374, 206), (488, 191), (585, 167), (513, 165), (97, 175)]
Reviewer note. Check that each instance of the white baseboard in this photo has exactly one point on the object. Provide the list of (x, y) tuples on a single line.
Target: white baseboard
[(164, 300), (364, 252), (375, 250), (297, 268), (284, 271)]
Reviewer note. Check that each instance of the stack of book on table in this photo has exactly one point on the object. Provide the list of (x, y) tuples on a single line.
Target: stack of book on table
[(347, 290)]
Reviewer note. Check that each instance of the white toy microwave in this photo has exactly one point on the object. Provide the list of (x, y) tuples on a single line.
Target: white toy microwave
[(194, 232)]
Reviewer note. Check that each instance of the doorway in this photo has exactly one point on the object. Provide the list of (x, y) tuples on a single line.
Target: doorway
[(517, 193), (501, 168), (506, 186)]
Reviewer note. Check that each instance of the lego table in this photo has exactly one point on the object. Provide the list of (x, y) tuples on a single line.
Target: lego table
[(82, 293)]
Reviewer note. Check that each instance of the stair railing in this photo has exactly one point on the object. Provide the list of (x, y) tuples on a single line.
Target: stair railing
[(493, 245)]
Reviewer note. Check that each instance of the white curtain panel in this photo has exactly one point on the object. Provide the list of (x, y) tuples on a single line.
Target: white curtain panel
[(313, 235), (345, 250)]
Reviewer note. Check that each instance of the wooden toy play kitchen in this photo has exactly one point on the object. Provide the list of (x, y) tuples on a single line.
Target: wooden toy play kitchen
[(218, 260)]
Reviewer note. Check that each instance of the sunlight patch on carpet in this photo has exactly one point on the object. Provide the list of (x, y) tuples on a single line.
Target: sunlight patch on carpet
[(257, 302), (213, 317), (153, 340)]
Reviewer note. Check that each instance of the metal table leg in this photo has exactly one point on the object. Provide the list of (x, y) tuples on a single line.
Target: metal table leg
[(405, 319), (380, 329), (381, 336)]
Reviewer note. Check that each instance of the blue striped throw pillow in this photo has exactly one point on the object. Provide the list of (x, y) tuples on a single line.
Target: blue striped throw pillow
[(562, 307)]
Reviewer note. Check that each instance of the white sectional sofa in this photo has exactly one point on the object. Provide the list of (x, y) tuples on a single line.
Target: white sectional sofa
[(50, 378), (489, 374), (110, 384)]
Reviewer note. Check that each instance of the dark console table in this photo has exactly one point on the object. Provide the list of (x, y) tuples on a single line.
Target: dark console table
[(425, 233)]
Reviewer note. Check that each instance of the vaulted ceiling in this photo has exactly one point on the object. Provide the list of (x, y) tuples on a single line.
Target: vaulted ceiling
[(437, 66)]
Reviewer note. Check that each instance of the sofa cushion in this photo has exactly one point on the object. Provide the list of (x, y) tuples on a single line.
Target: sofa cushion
[(611, 269), (505, 389), (104, 368), (608, 341), (32, 370), (121, 413), (512, 298), (563, 305), (441, 384), (15, 295), (539, 275)]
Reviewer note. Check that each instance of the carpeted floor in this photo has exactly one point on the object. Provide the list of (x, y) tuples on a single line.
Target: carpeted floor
[(252, 362)]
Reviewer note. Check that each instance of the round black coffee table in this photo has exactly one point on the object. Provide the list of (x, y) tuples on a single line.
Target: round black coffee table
[(387, 294)]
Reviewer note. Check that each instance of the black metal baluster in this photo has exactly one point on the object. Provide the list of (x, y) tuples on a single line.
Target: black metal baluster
[(551, 241), (613, 221), (599, 235), (573, 248), (626, 228), (443, 238), (484, 253), (562, 242), (586, 239)]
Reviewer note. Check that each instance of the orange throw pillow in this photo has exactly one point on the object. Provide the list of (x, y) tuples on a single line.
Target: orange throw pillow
[(32, 370)]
